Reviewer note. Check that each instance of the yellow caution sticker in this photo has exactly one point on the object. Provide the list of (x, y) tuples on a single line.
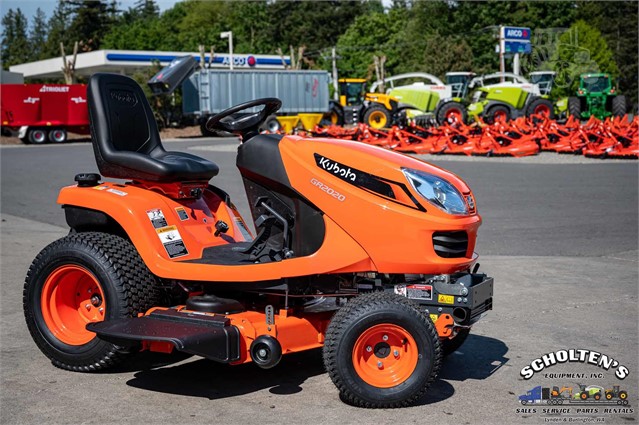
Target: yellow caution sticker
[(446, 299), (433, 317)]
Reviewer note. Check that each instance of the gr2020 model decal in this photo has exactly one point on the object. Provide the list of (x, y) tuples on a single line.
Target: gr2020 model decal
[(335, 194), (365, 181)]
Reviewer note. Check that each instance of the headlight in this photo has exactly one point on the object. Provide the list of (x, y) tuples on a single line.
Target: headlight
[(437, 191)]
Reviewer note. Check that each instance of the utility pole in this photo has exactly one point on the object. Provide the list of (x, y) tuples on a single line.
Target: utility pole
[(335, 85), (502, 47), (229, 35)]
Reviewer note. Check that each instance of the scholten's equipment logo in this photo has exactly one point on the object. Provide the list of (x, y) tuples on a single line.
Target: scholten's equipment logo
[(573, 356), (334, 167), (124, 97)]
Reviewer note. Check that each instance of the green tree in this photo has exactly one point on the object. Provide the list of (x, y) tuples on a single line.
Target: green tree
[(373, 34), (38, 35), (314, 24), (15, 44), (618, 22), (57, 30), (147, 9), (581, 49), (438, 54), (91, 21)]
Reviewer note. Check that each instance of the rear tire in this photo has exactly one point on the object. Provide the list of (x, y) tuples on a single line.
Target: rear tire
[(619, 106), (67, 285), (574, 107), (377, 116), (452, 108), (37, 136), (58, 135), (381, 328)]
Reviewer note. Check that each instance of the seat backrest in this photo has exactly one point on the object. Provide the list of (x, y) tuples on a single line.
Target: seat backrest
[(121, 120)]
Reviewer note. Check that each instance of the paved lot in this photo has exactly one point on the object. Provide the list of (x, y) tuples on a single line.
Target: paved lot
[(559, 237)]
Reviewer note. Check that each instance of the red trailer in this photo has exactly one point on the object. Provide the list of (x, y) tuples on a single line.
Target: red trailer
[(44, 112)]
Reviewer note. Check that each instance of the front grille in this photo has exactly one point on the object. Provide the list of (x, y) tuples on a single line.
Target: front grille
[(450, 244)]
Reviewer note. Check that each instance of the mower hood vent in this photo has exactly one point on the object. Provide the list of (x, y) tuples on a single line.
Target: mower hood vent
[(450, 244)]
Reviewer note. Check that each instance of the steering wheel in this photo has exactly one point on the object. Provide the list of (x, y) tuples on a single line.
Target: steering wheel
[(247, 125)]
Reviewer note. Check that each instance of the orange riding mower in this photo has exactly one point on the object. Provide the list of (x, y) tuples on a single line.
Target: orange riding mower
[(365, 252)]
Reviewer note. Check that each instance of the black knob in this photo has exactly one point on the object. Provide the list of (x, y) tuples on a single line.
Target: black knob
[(221, 227), (87, 179)]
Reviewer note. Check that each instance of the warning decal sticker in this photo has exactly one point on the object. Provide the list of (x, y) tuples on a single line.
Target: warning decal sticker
[(117, 192), (172, 241), (181, 212), (415, 292), (157, 218)]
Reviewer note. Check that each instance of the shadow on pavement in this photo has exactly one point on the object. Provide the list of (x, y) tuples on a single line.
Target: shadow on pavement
[(478, 358), (208, 379)]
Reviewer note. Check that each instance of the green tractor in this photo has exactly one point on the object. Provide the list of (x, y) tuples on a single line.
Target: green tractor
[(502, 96), (597, 97)]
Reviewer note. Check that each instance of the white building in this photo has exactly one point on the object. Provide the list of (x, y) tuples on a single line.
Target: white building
[(129, 61)]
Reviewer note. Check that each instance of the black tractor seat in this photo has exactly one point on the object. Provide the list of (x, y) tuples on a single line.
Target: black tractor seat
[(126, 140)]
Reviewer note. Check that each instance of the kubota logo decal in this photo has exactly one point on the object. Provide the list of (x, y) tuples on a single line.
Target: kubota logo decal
[(340, 170), (31, 100), (78, 99)]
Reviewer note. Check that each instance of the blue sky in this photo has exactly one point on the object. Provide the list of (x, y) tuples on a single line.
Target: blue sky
[(29, 7)]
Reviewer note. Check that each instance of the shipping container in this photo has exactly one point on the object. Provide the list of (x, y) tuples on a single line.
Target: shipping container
[(211, 91)]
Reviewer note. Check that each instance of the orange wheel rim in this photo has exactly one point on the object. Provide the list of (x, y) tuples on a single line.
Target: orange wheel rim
[(542, 110), (71, 298), (385, 355), (454, 114), (500, 116)]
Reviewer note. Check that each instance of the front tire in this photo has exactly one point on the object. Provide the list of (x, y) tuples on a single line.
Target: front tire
[(83, 278), (498, 113), (377, 116), (452, 111), (542, 107), (381, 351)]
